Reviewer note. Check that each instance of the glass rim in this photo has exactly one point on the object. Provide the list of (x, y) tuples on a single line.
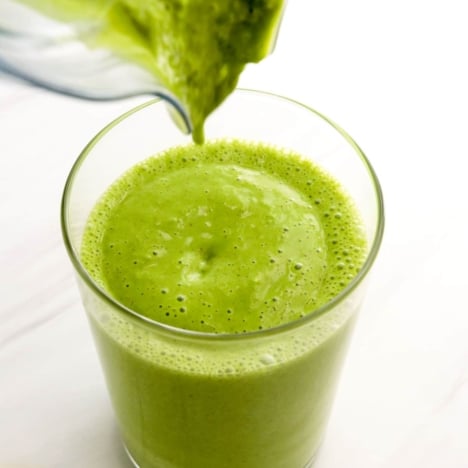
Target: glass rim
[(162, 327)]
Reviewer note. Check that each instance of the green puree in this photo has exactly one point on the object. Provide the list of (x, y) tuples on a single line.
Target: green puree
[(226, 237), (195, 48)]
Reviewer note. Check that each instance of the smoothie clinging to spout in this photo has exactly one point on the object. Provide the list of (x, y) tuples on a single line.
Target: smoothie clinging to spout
[(195, 48)]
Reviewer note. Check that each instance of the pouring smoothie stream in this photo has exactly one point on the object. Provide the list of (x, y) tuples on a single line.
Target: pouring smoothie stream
[(196, 49)]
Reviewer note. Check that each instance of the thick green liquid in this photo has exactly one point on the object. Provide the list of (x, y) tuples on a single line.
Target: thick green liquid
[(195, 48), (227, 237), (224, 238)]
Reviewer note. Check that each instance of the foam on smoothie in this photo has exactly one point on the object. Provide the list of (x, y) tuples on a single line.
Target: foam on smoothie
[(227, 237), (212, 361)]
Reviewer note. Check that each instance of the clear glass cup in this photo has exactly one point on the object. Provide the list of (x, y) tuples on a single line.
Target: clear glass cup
[(271, 413)]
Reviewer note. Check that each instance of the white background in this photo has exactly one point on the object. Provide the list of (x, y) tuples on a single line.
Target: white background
[(395, 76)]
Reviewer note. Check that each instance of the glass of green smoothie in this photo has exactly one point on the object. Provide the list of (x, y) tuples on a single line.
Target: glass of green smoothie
[(222, 281)]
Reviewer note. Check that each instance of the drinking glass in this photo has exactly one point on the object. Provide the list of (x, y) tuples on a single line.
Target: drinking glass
[(189, 399)]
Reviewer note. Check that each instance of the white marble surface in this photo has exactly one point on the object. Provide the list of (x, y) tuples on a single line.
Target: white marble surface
[(394, 75)]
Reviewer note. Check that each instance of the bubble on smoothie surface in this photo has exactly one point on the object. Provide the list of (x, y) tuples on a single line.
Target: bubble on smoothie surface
[(247, 250)]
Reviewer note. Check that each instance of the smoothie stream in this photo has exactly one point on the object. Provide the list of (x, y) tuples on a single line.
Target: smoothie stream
[(196, 49), (228, 238)]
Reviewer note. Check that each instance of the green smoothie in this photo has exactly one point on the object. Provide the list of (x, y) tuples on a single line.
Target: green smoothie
[(195, 48), (232, 239)]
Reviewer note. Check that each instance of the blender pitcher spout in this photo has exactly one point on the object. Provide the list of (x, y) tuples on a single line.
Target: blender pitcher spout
[(276, 30)]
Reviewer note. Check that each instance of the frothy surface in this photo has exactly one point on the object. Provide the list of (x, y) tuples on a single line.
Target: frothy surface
[(228, 237)]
